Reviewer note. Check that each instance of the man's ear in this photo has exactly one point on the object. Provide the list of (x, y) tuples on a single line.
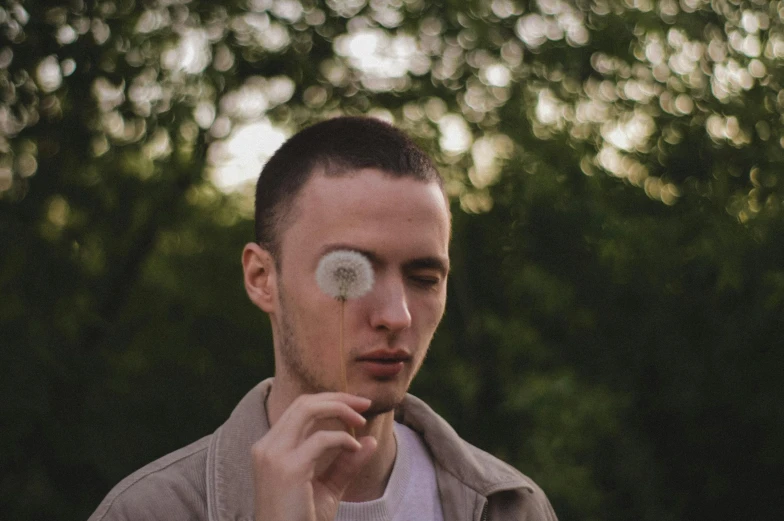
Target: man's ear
[(260, 276)]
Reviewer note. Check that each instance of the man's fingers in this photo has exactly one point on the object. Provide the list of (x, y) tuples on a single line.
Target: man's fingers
[(319, 411), (322, 444), (358, 403), (302, 418), (348, 464), (295, 462)]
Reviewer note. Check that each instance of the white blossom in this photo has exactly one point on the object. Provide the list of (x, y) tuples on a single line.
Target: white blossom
[(344, 274)]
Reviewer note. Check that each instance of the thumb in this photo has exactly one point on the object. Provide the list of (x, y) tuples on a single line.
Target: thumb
[(348, 464)]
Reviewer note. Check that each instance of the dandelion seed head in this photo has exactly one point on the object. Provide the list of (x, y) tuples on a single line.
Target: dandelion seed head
[(344, 274)]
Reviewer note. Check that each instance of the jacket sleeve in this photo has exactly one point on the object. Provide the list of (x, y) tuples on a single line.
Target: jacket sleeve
[(172, 488), (152, 498)]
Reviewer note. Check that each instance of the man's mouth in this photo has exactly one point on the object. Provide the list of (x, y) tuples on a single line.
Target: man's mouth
[(384, 363), (385, 356)]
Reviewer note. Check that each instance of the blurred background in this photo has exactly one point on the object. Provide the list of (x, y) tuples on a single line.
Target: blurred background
[(615, 314)]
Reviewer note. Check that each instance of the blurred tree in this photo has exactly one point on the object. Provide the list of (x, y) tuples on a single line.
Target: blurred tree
[(614, 319)]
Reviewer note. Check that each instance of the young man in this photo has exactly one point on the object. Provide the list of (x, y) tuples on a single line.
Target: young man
[(287, 452)]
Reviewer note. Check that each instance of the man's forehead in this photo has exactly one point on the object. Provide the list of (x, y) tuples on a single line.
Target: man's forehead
[(369, 176), (319, 182), (366, 201)]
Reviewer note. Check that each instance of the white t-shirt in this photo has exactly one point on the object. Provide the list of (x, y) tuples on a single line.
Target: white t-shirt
[(412, 491)]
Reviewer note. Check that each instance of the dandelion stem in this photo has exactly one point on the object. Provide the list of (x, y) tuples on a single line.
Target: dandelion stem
[(343, 360)]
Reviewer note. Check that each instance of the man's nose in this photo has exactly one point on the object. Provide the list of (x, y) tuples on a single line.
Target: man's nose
[(390, 311)]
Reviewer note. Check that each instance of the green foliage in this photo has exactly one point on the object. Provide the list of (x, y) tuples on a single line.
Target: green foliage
[(614, 318)]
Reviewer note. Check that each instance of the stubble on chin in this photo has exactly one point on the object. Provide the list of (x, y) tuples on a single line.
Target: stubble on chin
[(383, 399), (378, 408)]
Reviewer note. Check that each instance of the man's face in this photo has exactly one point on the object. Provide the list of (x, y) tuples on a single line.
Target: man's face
[(402, 225)]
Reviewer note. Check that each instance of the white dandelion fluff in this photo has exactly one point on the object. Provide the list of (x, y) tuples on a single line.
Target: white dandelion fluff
[(344, 274)]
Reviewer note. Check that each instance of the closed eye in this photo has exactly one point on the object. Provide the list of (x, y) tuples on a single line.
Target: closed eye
[(425, 281), (427, 272)]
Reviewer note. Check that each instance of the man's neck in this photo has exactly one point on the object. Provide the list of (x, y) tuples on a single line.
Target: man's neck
[(371, 481)]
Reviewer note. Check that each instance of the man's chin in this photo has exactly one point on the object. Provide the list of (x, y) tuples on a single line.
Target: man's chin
[(381, 405)]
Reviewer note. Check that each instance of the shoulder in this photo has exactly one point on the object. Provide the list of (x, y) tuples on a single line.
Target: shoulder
[(510, 493), (465, 470), (171, 488)]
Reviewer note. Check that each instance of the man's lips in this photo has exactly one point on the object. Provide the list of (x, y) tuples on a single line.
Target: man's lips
[(384, 363), (385, 356)]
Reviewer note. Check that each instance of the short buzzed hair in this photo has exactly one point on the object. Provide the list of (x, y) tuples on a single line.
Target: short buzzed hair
[(334, 147)]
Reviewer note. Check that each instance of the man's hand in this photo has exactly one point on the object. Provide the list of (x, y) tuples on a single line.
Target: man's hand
[(301, 470)]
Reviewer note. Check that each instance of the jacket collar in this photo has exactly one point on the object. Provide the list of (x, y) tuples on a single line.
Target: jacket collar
[(230, 475), (473, 467)]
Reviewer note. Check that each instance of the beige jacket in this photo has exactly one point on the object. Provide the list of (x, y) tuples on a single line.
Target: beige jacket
[(211, 479)]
